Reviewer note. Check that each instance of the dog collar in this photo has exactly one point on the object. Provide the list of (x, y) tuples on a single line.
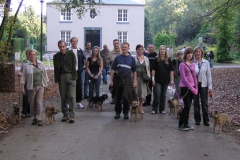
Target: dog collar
[(217, 117)]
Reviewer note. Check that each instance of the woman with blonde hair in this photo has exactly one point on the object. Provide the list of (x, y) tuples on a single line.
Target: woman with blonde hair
[(94, 66), (162, 76), (36, 77), (204, 78)]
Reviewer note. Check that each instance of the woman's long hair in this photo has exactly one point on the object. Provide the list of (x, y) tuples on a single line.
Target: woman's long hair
[(99, 58), (159, 58), (188, 50)]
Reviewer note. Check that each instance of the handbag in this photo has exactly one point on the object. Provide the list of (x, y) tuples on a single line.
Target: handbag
[(145, 77)]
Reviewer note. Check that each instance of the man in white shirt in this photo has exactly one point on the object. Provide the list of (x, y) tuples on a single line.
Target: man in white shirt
[(79, 67)]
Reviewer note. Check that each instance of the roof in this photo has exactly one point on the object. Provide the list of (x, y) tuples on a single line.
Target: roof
[(127, 2), (123, 2)]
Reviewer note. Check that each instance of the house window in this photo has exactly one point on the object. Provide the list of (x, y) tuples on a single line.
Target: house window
[(122, 15), (65, 36), (66, 15), (123, 36), (93, 14)]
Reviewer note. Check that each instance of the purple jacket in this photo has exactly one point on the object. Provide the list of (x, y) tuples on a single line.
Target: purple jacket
[(188, 78)]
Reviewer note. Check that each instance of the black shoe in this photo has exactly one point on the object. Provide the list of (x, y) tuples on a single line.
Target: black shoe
[(125, 115), (117, 116), (182, 128), (206, 124), (197, 123), (34, 121), (189, 127), (40, 123), (23, 116), (146, 104), (113, 101), (71, 120)]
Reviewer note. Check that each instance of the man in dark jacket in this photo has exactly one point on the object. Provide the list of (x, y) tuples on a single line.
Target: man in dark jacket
[(79, 67), (123, 67), (65, 74), (151, 55)]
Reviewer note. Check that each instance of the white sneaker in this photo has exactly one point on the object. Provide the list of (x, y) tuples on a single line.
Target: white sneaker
[(163, 112), (80, 106)]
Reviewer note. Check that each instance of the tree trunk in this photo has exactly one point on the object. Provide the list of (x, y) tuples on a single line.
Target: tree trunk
[(5, 17), (14, 21)]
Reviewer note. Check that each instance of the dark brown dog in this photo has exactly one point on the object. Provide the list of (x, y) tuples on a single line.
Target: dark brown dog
[(173, 105), (221, 119), (50, 112), (97, 101), (135, 109), (17, 113)]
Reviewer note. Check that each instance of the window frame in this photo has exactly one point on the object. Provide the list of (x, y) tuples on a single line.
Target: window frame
[(121, 19), (93, 13), (65, 14), (66, 37), (120, 35)]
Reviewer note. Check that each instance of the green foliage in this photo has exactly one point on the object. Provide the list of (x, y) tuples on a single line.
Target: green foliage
[(164, 39), (147, 34), (224, 36), (79, 6), (18, 44)]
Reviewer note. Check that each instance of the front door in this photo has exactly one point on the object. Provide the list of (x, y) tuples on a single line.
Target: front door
[(94, 37)]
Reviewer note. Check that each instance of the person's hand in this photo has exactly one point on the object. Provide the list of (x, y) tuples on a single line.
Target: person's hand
[(195, 91), (210, 92), (111, 83), (19, 74), (153, 83), (171, 83), (95, 77), (23, 90), (134, 84)]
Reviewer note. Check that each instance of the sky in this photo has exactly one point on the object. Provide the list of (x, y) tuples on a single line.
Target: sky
[(36, 5), (26, 3)]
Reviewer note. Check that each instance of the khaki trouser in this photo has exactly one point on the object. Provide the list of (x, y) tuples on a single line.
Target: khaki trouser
[(36, 99), (67, 88)]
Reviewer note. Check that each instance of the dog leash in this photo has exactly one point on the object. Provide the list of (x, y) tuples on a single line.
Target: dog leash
[(177, 94)]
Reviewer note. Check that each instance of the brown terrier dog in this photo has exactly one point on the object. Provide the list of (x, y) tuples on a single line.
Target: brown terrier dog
[(173, 105), (50, 112), (220, 119), (17, 112), (179, 112), (135, 109)]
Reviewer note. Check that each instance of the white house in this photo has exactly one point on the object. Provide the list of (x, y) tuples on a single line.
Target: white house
[(118, 19)]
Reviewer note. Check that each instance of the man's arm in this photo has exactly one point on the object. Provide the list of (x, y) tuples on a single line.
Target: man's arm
[(134, 79), (112, 76)]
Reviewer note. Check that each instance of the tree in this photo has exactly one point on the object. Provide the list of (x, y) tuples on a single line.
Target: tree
[(147, 34), (79, 6), (225, 35)]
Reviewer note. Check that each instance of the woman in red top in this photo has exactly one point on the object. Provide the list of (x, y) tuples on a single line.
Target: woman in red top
[(188, 86)]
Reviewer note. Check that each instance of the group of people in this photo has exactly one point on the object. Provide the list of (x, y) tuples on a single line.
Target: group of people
[(77, 72)]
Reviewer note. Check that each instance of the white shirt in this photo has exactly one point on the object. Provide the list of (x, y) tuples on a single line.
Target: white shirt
[(76, 56)]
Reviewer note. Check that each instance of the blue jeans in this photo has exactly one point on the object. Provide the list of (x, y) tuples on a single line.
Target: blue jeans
[(94, 85), (85, 83), (104, 73), (160, 91), (211, 63)]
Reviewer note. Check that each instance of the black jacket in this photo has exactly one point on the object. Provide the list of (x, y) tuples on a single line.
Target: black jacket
[(81, 60)]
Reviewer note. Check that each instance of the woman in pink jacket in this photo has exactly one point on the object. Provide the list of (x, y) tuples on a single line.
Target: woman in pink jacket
[(188, 86)]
